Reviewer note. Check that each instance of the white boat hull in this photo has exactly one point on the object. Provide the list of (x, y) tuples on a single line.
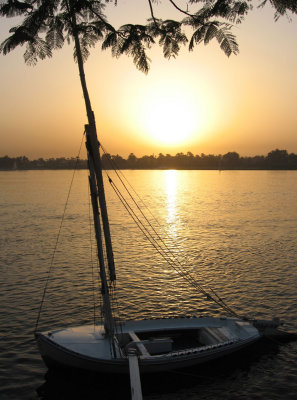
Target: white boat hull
[(87, 348)]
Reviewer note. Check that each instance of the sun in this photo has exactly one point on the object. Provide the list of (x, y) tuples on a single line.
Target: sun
[(170, 119)]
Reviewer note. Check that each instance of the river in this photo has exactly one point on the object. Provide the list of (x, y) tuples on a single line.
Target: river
[(234, 230)]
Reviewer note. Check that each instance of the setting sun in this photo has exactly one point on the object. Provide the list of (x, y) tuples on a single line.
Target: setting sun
[(170, 116), (170, 120)]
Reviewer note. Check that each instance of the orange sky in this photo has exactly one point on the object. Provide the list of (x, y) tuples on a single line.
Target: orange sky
[(200, 102)]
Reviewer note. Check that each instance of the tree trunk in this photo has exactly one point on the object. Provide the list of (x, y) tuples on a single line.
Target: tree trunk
[(94, 149)]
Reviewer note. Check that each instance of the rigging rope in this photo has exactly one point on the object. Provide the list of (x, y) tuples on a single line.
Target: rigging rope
[(58, 236), (118, 173), (166, 253), (185, 275)]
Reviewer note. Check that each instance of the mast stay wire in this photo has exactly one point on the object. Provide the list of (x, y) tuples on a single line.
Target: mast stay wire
[(185, 275), (58, 236), (171, 259), (118, 173)]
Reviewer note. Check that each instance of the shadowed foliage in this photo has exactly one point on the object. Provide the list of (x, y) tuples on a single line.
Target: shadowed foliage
[(275, 160), (47, 24)]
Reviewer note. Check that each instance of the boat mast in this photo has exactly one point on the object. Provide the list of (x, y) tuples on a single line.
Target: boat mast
[(107, 312), (94, 154)]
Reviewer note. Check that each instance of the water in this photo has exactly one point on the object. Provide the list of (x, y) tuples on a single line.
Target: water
[(236, 229)]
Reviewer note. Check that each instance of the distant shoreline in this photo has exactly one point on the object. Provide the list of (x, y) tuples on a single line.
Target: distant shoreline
[(153, 169), (275, 160)]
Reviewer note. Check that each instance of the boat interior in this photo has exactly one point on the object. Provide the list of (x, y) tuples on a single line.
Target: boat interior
[(159, 342)]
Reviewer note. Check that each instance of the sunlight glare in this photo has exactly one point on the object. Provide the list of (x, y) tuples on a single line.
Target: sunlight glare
[(171, 183), (172, 118)]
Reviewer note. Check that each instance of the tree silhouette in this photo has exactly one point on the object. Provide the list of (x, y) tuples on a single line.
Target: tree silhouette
[(230, 159), (48, 23), (278, 159)]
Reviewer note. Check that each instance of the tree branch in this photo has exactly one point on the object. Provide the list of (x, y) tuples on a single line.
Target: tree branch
[(180, 10), (152, 11)]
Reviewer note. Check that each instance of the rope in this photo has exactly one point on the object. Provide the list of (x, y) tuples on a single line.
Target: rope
[(188, 277), (118, 173), (174, 259), (58, 236)]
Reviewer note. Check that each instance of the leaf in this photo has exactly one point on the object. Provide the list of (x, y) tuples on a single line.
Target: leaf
[(141, 60), (110, 40), (211, 32), (229, 45), (13, 8), (197, 36), (37, 48), (170, 36), (54, 36), (218, 30), (19, 37), (132, 40)]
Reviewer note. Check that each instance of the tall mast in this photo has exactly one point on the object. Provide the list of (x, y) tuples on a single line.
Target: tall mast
[(107, 312), (93, 150)]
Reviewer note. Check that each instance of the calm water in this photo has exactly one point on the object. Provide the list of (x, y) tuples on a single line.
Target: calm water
[(235, 230)]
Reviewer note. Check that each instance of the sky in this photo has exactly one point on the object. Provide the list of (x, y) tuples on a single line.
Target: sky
[(202, 101)]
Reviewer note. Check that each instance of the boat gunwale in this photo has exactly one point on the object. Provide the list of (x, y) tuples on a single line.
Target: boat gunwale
[(201, 352)]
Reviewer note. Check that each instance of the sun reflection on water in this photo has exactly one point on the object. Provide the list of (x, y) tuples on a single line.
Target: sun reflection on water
[(171, 189)]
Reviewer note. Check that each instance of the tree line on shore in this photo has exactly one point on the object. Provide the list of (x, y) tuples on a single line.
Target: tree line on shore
[(276, 159)]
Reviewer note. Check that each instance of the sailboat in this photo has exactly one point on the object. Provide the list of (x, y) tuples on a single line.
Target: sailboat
[(161, 344)]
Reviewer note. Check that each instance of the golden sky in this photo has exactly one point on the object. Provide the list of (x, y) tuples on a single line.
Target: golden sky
[(201, 102)]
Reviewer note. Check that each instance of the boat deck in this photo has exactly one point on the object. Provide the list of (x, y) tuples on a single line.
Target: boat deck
[(153, 337), (161, 344)]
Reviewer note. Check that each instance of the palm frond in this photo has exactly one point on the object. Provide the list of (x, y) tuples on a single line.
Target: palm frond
[(210, 30), (54, 36), (197, 36), (132, 40), (227, 41), (140, 59), (87, 39), (230, 10), (89, 8), (170, 36), (14, 8), (110, 40), (281, 7), (20, 36), (38, 48)]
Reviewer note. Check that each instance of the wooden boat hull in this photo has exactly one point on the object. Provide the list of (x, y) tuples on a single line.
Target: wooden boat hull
[(88, 349)]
